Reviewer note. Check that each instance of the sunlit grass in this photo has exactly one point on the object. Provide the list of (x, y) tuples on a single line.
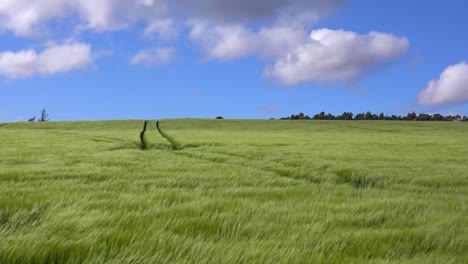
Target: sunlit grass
[(236, 191)]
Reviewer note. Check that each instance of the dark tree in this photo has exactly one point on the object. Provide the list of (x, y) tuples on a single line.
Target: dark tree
[(219, 117), (32, 119), (438, 117), (44, 116), (321, 116), (360, 116), (411, 116), (424, 117), (369, 116), (345, 116)]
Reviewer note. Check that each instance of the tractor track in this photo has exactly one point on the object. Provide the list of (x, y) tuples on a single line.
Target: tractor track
[(175, 145)]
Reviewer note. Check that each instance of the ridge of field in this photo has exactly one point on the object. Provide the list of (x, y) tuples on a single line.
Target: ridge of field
[(238, 191)]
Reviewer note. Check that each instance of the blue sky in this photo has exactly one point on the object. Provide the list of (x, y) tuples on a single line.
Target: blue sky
[(84, 60)]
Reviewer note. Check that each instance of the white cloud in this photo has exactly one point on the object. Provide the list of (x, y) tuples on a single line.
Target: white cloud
[(24, 17), (157, 56), (336, 55), (324, 55), (237, 41), (276, 42), (450, 88), (20, 16), (224, 42), (164, 28), (53, 60)]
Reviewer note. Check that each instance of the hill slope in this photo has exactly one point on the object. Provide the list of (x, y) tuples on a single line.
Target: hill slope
[(239, 191)]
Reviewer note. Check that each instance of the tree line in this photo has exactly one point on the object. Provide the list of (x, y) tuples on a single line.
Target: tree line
[(371, 116)]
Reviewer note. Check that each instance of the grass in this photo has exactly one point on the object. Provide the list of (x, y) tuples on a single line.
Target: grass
[(236, 191)]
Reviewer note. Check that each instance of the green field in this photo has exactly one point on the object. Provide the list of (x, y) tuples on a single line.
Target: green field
[(237, 191)]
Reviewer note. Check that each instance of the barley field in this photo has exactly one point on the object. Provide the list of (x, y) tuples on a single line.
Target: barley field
[(234, 191)]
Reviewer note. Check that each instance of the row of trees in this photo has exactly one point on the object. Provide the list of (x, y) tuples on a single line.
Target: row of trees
[(370, 116)]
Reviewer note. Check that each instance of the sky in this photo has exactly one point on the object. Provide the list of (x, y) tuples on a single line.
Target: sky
[(152, 59)]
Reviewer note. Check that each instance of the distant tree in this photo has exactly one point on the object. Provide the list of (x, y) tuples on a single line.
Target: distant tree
[(346, 116), (450, 118), (360, 116), (32, 119), (438, 117), (44, 116), (424, 117), (321, 115), (411, 116), (368, 116), (219, 117)]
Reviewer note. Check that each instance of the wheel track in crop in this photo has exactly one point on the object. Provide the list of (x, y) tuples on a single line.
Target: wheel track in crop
[(235, 160), (287, 172), (175, 145)]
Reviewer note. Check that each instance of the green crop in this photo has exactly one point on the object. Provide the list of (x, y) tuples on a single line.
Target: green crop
[(235, 191)]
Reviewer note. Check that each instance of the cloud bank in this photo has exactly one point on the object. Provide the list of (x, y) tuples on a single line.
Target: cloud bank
[(23, 17), (450, 88), (276, 31)]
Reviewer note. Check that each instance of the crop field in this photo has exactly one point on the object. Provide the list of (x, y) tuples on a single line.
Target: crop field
[(234, 191)]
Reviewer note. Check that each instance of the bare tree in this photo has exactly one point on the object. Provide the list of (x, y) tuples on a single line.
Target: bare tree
[(44, 116)]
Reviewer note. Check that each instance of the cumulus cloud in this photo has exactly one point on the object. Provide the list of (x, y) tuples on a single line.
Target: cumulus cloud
[(324, 55), (450, 88), (224, 42), (336, 55), (236, 41), (151, 57), (53, 60), (23, 17)]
